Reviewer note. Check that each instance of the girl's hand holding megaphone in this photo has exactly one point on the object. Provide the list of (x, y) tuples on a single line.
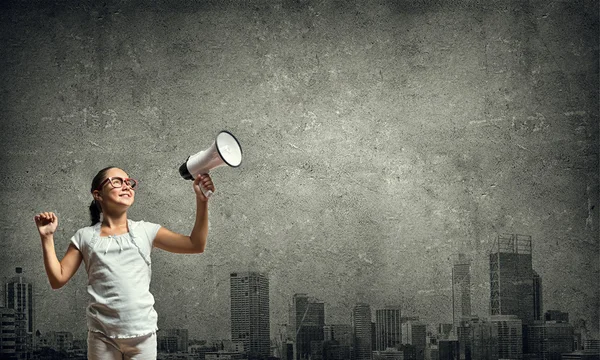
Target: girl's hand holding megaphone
[(203, 186)]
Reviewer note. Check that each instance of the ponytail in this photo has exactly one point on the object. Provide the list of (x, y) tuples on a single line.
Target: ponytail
[(95, 211), (95, 208)]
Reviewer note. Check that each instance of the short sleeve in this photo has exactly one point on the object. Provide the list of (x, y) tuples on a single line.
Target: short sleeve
[(150, 230), (76, 240)]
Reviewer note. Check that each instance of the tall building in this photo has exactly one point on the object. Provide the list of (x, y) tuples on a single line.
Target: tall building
[(373, 336), (361, 328), (512, 278), (8, 335), (415, 333), (508, 330), (307, 318), (538, 301), (250, 322), (461, 289), (19, 296), (548, 340), (388, 328), (477, 340)]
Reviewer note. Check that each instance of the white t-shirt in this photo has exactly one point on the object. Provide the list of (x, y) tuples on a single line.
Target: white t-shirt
[(119, 273)]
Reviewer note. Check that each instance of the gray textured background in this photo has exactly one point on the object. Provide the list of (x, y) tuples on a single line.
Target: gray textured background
[(380, 138)]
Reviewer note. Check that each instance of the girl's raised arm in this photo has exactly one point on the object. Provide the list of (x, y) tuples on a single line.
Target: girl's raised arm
[(59, 272), (196, 242)]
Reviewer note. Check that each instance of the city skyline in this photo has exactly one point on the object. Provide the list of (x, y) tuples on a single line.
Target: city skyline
[(374, 309), (501, 332), (216, 275)]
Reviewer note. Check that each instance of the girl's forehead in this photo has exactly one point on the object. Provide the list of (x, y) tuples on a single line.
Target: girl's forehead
[(116, 172)]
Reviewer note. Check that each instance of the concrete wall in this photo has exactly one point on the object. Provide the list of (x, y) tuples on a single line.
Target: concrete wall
[(380, 138)]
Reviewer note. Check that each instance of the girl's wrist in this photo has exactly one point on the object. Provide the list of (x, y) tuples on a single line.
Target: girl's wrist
[(201, 199), (47, 238)]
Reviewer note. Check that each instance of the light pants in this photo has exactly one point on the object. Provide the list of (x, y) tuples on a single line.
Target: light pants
[(101, 347)]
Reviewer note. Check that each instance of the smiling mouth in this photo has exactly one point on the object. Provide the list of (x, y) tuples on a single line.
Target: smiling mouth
[(123, 195)]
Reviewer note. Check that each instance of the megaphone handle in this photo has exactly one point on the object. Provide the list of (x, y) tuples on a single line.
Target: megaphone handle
[(206, 192)]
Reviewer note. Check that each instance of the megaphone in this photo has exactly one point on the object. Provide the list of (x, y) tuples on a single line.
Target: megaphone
[(225, 150)]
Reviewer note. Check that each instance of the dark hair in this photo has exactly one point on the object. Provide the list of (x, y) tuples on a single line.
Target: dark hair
[(95, 208)]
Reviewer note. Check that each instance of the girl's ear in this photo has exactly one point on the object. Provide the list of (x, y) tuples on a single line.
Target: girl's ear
[(97, 195)]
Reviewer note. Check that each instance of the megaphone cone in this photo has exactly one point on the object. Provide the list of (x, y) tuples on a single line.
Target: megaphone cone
[(225, 150)]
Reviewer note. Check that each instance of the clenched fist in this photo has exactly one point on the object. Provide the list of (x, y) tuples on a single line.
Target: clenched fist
[(46, 223), (204, 187)]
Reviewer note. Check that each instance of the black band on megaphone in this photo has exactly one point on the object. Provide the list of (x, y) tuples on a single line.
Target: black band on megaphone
[(184, 172)]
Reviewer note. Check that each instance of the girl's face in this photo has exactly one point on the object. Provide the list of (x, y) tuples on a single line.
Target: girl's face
[(115, 189)]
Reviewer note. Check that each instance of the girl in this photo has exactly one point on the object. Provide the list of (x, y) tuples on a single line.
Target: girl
[(121, 319)]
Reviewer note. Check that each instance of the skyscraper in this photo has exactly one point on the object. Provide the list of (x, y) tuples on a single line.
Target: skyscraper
[(461, 289), (19, 296), (508, 330), (250, 321), (415, 333), (388, 328), (476, 340), (361, 328), (538, 304), (512, 277), (307, 318), (550, 339), (8, 335)]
